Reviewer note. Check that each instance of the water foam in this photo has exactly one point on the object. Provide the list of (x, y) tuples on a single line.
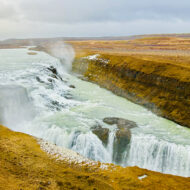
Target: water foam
[(64, 116)]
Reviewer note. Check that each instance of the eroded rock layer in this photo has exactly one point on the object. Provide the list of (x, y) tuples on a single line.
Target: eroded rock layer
[(164, 88)]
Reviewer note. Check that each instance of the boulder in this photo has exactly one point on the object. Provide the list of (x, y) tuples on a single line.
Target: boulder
[(54, 76), (72, 86), (101, 133), (50, 80), (110, 120), (121, 140), (39, 80), (120, 122), (53, 70), (54, 73), (122, 136)]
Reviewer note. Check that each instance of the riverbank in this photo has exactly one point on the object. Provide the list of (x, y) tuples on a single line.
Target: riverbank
[(54, 78), (153, 72), (24, 165)]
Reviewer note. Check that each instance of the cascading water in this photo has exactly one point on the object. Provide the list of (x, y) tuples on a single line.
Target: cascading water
[(147, 151), (65, 114), (15, 106)]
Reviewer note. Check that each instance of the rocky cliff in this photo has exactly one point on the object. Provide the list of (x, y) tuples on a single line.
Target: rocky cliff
[(162, 87)]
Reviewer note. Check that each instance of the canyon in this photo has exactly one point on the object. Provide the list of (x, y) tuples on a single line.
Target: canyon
[(151, 72)]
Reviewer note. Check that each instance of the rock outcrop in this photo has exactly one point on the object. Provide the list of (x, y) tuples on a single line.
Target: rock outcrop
[(163, 88), (120, 122), (101, 133), (122, 135)]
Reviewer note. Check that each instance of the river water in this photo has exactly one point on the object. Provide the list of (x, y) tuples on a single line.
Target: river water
[(35, 101)]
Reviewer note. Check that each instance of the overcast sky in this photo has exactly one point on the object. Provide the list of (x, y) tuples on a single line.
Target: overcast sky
[(53, 18)]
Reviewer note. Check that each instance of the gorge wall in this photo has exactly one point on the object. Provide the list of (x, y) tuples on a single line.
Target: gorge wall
[(163, 88)]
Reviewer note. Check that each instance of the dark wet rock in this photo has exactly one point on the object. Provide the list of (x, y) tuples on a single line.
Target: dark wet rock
[(54, 76), (53, 70), (120, 122), (110, 120), (121, 140), (55, 103), (68, 96), (39, 80), (54, 73), (122, 135), (101, 133), (50, 80), (72, 86)]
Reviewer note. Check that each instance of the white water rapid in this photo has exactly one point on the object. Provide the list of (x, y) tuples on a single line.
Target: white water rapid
[(38, 96)]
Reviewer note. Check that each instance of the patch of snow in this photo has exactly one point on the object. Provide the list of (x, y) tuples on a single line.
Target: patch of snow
[(92, 57), (95, 57), (69, 156), (142, 177)]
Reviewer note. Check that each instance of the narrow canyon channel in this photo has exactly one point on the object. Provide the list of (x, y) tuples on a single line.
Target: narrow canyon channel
[(38, 96)]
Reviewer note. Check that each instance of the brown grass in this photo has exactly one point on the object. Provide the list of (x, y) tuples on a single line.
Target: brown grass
[(25, 166)]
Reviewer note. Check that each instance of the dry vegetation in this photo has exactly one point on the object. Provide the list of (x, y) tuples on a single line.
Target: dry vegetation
[(173, 50), (148, 44), (153, 72), (25, 166)]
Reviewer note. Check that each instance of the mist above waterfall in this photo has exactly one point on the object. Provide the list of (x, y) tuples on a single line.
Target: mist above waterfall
[(64, 52)]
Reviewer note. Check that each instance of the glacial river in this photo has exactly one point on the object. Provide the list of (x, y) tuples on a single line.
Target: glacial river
[(35, 101)]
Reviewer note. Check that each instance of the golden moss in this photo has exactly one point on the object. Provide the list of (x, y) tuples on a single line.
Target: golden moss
[(162, 87), (25, 166)]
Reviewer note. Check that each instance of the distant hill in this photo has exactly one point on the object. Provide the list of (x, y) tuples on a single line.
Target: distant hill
[(17, 43)]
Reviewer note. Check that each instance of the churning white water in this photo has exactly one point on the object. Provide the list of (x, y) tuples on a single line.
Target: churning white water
[(36, 97)]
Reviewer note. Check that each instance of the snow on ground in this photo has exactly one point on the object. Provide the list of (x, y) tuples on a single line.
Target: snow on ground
[(142, 177), (95, 57), (92, 57), (67, 155)]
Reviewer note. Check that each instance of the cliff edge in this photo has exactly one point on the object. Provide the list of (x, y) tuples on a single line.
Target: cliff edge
[(24, 165)]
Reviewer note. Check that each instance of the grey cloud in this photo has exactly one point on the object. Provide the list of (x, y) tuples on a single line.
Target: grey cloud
[(7, 11), (49, 18), (68, 11)]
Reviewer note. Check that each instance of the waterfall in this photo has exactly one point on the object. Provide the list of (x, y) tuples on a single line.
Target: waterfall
[(110, 144), (15, 106), (65, 116), (91, 147), (146, 151)]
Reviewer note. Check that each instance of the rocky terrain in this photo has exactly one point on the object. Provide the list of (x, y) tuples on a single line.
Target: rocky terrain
[(153, 72)]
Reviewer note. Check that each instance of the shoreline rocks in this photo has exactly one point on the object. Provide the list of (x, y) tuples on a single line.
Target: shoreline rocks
[(120, 122), (101, 133), (122, 135)]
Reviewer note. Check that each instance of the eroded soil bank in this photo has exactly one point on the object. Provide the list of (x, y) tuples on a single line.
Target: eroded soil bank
[(153, 72), (25, 166), (161, 86)]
